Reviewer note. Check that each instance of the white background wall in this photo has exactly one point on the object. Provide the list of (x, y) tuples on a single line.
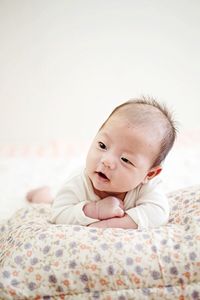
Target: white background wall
[(65, 64)]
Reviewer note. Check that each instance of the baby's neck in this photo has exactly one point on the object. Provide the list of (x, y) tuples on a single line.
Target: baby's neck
[(103, 194)]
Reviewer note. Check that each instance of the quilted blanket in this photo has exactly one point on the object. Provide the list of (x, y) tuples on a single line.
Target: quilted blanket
[(40, 260)]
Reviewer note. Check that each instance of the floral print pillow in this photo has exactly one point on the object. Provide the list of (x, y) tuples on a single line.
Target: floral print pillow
[(40, 260)]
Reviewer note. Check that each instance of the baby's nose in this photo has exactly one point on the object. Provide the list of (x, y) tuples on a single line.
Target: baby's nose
[(109, 162)]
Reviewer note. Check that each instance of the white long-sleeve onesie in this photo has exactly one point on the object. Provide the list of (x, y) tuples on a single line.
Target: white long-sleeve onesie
[(147, 204)]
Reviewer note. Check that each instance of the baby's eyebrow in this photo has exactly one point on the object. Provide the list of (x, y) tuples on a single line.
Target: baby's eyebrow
[(129, 152), (105, 135)]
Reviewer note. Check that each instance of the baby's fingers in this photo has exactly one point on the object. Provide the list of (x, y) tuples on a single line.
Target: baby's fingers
[(119, 212)]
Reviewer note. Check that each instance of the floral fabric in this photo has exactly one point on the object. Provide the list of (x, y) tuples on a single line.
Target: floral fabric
[(40, 260)]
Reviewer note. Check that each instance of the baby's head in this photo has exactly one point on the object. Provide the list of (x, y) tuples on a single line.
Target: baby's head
[(148, 114), (130, 146)]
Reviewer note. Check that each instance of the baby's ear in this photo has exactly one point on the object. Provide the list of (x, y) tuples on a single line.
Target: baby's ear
[(152, 173)]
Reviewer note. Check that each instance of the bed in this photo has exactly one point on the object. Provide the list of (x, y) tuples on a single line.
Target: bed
[(39, 260)]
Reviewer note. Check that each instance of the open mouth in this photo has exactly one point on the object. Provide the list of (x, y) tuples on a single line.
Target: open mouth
[(102, 175)]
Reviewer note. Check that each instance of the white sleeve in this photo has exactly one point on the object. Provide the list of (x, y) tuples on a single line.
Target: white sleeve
[(67, 207), (152, 206)]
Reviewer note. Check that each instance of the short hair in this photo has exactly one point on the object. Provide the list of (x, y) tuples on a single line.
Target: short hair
[(144, 109)]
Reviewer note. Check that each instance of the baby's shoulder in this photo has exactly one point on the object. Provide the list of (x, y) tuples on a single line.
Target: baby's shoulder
[(151, 185), (155, 185)]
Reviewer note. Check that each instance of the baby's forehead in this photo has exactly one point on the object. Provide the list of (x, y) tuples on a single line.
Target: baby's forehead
[(145, 125), (120, 126), (145, 116)]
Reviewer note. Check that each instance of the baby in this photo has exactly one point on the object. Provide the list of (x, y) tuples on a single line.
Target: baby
[(119, 185)]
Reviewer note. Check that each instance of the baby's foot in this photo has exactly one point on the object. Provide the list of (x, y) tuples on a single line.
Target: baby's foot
[(40, 195)]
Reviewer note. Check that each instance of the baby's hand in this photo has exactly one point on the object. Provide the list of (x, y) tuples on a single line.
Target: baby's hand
[(109, 207)]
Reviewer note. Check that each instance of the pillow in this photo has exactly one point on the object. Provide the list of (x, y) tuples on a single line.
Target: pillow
[(40, 260)]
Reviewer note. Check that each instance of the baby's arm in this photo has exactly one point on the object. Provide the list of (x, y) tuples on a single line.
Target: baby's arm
[(71, 206), (106, 208), (151, 210), (125, 222)]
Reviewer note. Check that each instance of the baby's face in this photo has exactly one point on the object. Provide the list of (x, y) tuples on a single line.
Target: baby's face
[(120, 156)]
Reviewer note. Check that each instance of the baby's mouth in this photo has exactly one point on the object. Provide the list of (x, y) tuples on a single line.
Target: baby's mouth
[(102, 175)]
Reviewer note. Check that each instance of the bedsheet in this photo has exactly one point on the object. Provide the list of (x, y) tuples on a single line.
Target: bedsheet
[(40, 260)]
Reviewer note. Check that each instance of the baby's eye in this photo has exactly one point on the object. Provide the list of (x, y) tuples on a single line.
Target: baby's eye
[(102, 145), (126, 160)]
